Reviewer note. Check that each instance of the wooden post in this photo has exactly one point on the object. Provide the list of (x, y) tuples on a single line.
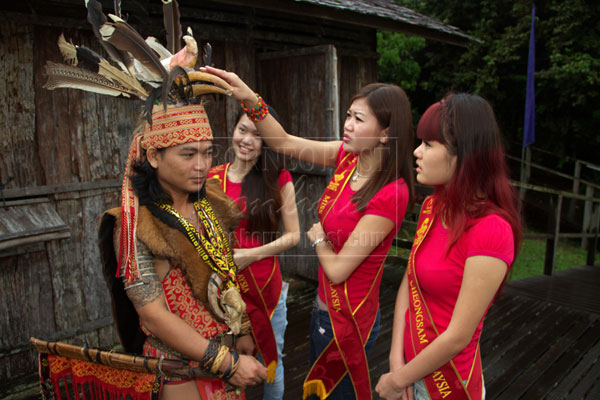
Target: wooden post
[(576, 182), (593, 242), (576, 176), (586, 225), (525, 170), (552, 243)]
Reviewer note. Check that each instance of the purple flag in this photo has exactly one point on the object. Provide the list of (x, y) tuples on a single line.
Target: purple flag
[(529, 129)]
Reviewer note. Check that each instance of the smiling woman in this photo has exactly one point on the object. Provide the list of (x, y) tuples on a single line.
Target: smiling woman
[(257, 182), (360, 212)]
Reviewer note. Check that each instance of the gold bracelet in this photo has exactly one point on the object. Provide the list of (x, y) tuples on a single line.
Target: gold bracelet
[(223, 350)]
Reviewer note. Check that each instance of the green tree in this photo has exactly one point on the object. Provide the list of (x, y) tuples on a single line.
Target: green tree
[(396, 62), (567, 34)]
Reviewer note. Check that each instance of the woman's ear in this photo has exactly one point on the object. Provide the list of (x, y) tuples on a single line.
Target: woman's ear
[(385, 136), (152, 156)]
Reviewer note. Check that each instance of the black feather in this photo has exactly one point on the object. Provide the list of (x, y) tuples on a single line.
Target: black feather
[(172, 26), (87, 59), (168, 82), (152, 99), (96, 18), (125, 38)]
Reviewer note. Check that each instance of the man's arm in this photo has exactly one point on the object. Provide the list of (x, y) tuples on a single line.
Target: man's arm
[(148, 298)]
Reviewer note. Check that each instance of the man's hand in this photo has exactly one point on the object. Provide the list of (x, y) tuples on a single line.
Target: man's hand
[(245, 345), (250, 372)]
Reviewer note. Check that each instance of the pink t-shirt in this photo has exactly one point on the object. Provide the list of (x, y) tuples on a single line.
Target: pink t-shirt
[(262, 268), (390, 202), (440, 276)]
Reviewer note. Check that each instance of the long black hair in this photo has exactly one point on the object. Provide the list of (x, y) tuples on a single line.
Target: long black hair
[(391, 107), (261, 188)]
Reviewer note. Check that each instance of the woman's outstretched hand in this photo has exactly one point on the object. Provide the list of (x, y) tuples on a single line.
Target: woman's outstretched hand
[(241, 91)]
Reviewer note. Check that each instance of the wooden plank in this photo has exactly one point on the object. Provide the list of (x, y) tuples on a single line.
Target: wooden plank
[(281, 80), (24, 224), (517, 346), (35, 238), (65, 335), (574, 288), (580, 344), (44, 190), (541, 356), (501, 334), (96, 297), (65, 259), (27, 303), (17, 109), (575, 381), (594, 393), (84, 136)]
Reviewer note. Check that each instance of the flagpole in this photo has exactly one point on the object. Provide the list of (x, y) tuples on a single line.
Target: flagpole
[(529, 125)]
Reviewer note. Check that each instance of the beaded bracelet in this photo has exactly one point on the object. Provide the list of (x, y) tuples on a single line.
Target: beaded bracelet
[(257, 113)]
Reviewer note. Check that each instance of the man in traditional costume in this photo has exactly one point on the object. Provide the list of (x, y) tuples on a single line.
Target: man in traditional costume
[(160, 248), (165, 251)]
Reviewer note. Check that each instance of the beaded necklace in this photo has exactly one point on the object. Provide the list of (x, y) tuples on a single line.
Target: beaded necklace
[(212, 245)]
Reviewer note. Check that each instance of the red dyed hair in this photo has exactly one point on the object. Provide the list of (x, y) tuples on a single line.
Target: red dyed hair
[(480, 186)]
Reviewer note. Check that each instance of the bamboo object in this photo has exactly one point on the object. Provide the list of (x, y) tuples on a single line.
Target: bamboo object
[(171, 368)]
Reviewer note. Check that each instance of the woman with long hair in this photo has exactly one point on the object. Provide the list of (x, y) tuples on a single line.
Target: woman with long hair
[(257, 182), (468, 234), (360, 212)]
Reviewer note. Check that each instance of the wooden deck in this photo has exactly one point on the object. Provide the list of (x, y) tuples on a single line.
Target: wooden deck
[(541, 339)]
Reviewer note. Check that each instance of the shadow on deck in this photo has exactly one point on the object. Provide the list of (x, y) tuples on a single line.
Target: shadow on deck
[(541, 339)]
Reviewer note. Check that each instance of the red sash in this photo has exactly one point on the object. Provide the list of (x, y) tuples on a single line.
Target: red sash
[(444, 383), (351, 328), (260, 302)]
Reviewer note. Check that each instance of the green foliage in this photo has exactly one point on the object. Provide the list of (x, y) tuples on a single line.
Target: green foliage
[(567, 75), (530, 261), (396, 63)]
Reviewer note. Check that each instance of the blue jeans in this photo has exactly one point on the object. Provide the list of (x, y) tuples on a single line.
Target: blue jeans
[(321, 334), (274, 390)]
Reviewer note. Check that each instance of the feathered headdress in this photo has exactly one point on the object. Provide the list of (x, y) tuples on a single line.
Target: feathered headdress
[(146, 70), (142, 69)]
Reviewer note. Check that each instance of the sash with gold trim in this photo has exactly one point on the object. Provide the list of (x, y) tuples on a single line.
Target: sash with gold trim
[(444, 383), (260, 302), (351, 328)]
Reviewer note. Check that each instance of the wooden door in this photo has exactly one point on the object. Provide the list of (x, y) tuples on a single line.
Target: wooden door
[(302, 85)]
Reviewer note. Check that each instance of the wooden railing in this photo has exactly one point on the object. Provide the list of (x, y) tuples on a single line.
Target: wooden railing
[(590, 234)]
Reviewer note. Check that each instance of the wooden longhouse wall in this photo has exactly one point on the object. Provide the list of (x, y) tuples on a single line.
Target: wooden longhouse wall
[(64, 150), (60, 145)]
